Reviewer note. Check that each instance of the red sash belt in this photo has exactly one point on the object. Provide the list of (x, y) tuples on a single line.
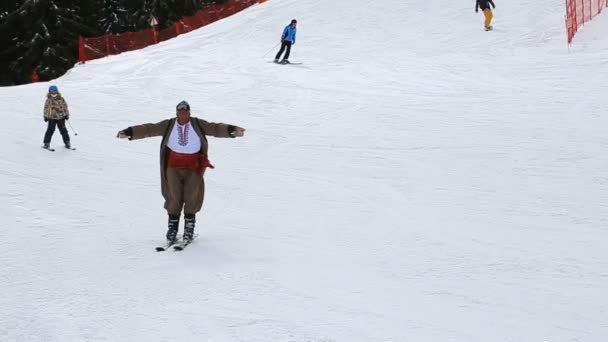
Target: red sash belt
[(195, 161)]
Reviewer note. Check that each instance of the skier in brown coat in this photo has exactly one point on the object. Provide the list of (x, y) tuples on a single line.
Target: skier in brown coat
[(183, 160)]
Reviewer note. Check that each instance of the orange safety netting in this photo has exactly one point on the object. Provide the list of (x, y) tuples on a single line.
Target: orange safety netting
[(112, 44), (579, 12)]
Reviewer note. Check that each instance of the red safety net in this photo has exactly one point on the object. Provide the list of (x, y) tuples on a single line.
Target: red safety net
[(579, 12), (112, 44)]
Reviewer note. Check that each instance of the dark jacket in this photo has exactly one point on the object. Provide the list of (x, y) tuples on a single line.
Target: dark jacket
[(484, 4)]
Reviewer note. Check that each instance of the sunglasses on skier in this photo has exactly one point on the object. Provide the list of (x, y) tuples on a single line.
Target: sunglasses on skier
[(183, 107)]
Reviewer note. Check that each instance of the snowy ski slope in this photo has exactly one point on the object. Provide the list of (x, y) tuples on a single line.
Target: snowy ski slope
[(415, 179)]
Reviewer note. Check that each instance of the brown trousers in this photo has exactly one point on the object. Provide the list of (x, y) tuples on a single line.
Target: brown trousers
[(186, 191)]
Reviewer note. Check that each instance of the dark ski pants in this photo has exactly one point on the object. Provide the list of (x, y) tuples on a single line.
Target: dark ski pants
[(286, 45), (51, 129), (186, 190)]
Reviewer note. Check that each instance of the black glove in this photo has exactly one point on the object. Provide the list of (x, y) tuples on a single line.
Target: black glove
[(235, 131), (46, 119), (67, 117), (125, 133)]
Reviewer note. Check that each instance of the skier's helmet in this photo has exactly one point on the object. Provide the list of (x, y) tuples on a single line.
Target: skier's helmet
[(293, 21), (53, 89)]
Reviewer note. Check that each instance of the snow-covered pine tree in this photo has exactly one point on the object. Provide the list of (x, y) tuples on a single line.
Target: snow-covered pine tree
[(43, 36), (166, 12), (7, 7), (112, 16), (8, 49)]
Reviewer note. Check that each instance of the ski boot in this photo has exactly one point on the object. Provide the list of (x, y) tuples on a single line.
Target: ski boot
[(189, 222), (173, 227), (285, 61)]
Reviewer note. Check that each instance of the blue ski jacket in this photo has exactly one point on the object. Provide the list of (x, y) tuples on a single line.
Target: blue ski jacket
[(289, 34)]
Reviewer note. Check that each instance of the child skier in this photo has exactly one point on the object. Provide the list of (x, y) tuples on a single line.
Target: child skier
[(55, 113)]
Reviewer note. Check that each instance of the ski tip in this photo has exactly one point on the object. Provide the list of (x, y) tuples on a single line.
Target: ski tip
[(181, 247), (164, 247), (290, 63)]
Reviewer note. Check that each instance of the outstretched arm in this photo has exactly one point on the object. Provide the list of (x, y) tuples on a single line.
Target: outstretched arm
[(492, 3), (144, 131), (221, 130), (476, 6)]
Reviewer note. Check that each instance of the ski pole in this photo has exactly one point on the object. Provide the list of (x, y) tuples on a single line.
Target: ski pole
[(274, 47), (73, 130)]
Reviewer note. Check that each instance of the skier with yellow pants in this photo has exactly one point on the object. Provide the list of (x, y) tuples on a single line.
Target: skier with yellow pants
[(487, 12)]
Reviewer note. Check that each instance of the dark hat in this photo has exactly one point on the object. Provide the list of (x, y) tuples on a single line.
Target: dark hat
[(293, 21), (183, 105)]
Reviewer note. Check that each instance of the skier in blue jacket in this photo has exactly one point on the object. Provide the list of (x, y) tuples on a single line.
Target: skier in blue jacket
[(288, 38)]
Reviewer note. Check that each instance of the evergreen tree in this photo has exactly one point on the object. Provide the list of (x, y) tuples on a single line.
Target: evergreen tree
[(43, 36), (8, 49), (167, 12), (112, 16), (138, 15), (7, 7)]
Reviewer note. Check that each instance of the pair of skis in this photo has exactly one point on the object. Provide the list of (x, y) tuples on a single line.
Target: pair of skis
[(287, 63), (178, 244), (53, 150)]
